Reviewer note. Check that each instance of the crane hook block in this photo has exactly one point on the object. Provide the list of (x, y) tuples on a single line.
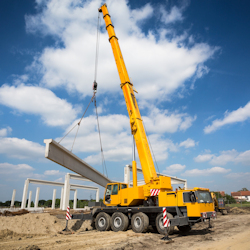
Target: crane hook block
[(95, 86)]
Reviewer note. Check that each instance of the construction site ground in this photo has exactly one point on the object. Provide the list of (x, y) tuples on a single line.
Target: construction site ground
[(42, 231)]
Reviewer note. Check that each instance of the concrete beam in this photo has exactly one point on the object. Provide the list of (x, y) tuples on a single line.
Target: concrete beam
[(174, 180), (57, 153)]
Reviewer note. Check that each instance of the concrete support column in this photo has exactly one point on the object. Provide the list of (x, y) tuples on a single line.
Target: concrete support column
[(66, 192), (13, 198), (127, 174), (61, 200), (75, 199), (185, 185), (25, 192), (54, 199), (37, 197), (29, 201), (97, 195)]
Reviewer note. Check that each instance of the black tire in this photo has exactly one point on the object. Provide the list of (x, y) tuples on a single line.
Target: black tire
[(119, 222), (159, 224), (184, 229), (139, 222), (102, 222)]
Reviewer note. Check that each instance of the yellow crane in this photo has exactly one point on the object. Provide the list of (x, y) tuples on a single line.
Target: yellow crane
[(142, 206)]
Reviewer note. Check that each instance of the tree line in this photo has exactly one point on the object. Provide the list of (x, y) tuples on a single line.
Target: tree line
[(48, 203)]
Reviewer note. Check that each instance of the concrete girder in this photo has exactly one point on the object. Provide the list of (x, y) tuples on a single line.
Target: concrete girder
[(57, 153), (174, 180), (53, 183)]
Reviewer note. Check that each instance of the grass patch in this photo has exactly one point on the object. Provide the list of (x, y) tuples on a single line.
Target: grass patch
[(239, 205)]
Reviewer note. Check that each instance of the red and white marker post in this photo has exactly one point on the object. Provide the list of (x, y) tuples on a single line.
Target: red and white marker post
[(166, 224), (68, 217)]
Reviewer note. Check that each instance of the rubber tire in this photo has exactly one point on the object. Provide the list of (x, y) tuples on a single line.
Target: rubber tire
[(159, 224), (184, 229), (122, 218), (143, 224), (103, 222)]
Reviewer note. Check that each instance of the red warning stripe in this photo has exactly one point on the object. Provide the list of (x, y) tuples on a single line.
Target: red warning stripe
[(68, 215), (166, 221), (154, 192)]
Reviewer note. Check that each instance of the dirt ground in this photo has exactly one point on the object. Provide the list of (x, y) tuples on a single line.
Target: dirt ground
[(40, 231)]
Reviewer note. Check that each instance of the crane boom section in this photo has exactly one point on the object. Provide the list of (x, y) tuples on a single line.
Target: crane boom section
[(137, 128)]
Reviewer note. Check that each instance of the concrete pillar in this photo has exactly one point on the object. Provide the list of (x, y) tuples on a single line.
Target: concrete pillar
[(75, 199), (13, 198), (66, 192), (126, 174), (25, 192), (185, 185), (54, 199), (97, 195), (29, 201), (61, 200), (37, 197)]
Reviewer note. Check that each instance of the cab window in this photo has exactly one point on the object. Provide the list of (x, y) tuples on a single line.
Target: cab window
[(115, 189), (108, 190), (123, 186)]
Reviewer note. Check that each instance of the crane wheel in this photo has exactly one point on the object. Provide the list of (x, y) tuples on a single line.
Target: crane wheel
[(103, 222), (159, 224), (139, 222), (119, 222)]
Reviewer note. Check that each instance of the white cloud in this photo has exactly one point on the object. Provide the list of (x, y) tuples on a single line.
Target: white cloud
[(141, 14), (12, 172), (174, 15), (38, 101), (5, 131), (189, 143), (239, 176), (162, 121), (7, 168), (175, 168), (158, 67), (21, 148), (203, 158), (52, 172), (240, 115), (226, 157), (116, 140), (208, 171)]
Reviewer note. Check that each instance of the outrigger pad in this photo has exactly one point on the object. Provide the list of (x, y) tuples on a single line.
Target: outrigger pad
[(166, 238)]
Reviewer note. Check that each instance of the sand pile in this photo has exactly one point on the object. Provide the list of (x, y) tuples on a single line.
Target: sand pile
[(31, 224), (237, 210), (14, 213)]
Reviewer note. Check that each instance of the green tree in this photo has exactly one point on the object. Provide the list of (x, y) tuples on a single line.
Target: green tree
[(229, 199), (243, 189), (57, 204), (41, 203), (48, 203)]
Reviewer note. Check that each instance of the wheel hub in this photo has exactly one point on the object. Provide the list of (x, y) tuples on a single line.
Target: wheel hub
[(117, 222), (137, 222), (101, 222)]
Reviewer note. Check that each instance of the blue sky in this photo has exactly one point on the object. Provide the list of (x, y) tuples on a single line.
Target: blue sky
[(188, 60)]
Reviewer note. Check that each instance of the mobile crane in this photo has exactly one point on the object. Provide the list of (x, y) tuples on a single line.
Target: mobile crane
[(141, 206)]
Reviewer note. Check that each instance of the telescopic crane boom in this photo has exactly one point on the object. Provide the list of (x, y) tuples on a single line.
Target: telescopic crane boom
[(137, 128)]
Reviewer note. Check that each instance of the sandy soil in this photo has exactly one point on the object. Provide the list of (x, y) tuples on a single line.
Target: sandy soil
[(40, 231)]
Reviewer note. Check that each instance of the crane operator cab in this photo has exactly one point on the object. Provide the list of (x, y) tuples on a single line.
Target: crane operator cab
[(112, 195)]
